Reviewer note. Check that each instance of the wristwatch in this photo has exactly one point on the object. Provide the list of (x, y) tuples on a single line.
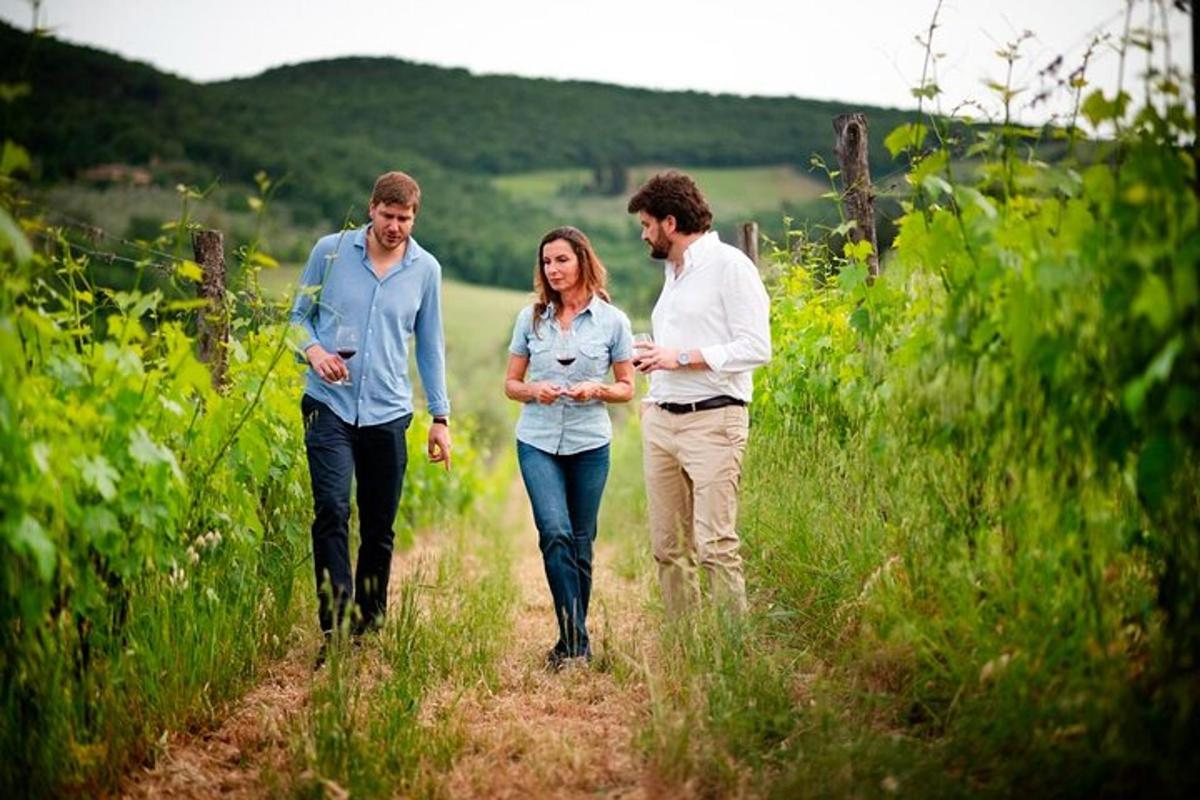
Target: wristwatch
[(442, 421), (683, 358)]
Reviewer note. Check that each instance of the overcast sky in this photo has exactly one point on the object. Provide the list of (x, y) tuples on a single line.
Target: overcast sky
[(854, 51)]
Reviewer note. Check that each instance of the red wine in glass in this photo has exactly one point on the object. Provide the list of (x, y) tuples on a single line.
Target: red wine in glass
[(345, 344), (564, 352)]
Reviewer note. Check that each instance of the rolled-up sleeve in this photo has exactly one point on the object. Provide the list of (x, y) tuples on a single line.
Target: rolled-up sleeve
[(519, 344), (747, 310), (622, 341)]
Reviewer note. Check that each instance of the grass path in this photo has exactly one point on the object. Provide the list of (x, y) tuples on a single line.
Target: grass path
[(570, 734), (524, 732)]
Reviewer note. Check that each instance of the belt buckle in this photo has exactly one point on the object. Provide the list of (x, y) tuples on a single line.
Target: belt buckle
[(693, 407)]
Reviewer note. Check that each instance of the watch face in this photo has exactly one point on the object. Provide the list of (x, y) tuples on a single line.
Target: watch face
[(683, 359)]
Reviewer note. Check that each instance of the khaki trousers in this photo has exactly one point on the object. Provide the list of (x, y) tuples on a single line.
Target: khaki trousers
[(693, 464)]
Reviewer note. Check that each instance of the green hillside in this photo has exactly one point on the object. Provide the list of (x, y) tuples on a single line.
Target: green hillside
[(328, 128)]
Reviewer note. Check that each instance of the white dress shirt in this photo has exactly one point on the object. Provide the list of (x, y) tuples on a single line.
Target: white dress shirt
[(716, 305)]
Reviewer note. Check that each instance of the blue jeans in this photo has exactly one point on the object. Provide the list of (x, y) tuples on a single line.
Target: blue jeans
[(375, 455), (565, 493)]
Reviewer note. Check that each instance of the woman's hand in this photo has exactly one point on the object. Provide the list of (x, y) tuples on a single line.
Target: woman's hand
[(515, 387), (545, 392), (585, 390)]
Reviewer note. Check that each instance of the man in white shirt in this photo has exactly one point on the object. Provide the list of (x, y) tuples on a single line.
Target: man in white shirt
[(711, 329)]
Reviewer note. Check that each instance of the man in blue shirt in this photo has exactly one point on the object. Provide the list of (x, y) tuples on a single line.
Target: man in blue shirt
[(364, 293)]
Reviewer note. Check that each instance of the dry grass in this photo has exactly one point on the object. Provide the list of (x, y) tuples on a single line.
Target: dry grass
[(543, 734), (529, 733), (245, 754), (250, 753)]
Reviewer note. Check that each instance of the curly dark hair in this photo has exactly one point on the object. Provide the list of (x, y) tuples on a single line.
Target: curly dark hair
[(673, 194)]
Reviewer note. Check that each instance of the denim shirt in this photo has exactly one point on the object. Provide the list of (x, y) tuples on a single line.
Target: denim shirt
[(602, 338), (406, 302)]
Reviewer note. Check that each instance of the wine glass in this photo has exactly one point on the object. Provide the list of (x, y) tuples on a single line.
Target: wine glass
[(640, 338), (345, 342), (565, 352)]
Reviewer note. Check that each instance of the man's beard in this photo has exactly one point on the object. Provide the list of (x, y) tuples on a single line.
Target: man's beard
[(659, 250)]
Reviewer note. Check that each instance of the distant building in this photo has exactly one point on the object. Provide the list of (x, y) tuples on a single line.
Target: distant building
[(117, 173)]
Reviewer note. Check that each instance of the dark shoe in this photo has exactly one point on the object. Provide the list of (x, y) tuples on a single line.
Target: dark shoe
[(558, 660), (322, 655), (362, 627), (555, 659)]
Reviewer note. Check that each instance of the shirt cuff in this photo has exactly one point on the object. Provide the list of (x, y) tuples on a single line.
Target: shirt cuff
[(716, 356), (302, 351)]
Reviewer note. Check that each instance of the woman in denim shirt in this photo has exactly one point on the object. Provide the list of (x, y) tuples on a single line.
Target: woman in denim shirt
[(564, 431)]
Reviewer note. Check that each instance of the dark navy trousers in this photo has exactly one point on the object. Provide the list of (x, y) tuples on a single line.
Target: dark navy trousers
[(375, 455)]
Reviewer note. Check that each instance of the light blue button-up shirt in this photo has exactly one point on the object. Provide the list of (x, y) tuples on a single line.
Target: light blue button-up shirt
[(602, 338), (340, 287)]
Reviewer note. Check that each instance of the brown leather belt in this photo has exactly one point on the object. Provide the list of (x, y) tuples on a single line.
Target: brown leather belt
[(720, 401)]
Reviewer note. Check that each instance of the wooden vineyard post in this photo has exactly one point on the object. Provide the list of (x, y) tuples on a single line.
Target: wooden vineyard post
[(213, 328), (858, 196), (748, 240)]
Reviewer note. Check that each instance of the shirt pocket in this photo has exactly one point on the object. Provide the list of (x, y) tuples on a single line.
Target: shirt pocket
[(540, 361), (593, 361)]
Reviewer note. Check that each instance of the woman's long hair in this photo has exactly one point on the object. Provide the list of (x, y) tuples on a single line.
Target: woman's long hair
[(591, 271)]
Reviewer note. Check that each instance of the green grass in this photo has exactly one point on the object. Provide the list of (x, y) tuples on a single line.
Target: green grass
[(879, 653), (364, 730), (736, 194), (623, 510), (478, 321)]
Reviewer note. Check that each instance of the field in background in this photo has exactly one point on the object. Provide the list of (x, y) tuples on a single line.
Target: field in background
[(764, 194), (141, 212), (478, 322), (109, 216), (735, 193)]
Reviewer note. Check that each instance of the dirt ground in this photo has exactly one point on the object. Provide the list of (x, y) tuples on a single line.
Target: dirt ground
[(535, 733)]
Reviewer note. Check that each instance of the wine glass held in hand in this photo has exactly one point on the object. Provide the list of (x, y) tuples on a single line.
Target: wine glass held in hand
[(346, 344), (640, 338)]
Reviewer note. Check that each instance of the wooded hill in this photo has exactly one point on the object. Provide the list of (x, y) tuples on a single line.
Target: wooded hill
[(331, 126)]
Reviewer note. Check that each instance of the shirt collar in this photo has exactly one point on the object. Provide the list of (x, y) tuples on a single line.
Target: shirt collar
[(695, 250), (698, 248), (591, 307)]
